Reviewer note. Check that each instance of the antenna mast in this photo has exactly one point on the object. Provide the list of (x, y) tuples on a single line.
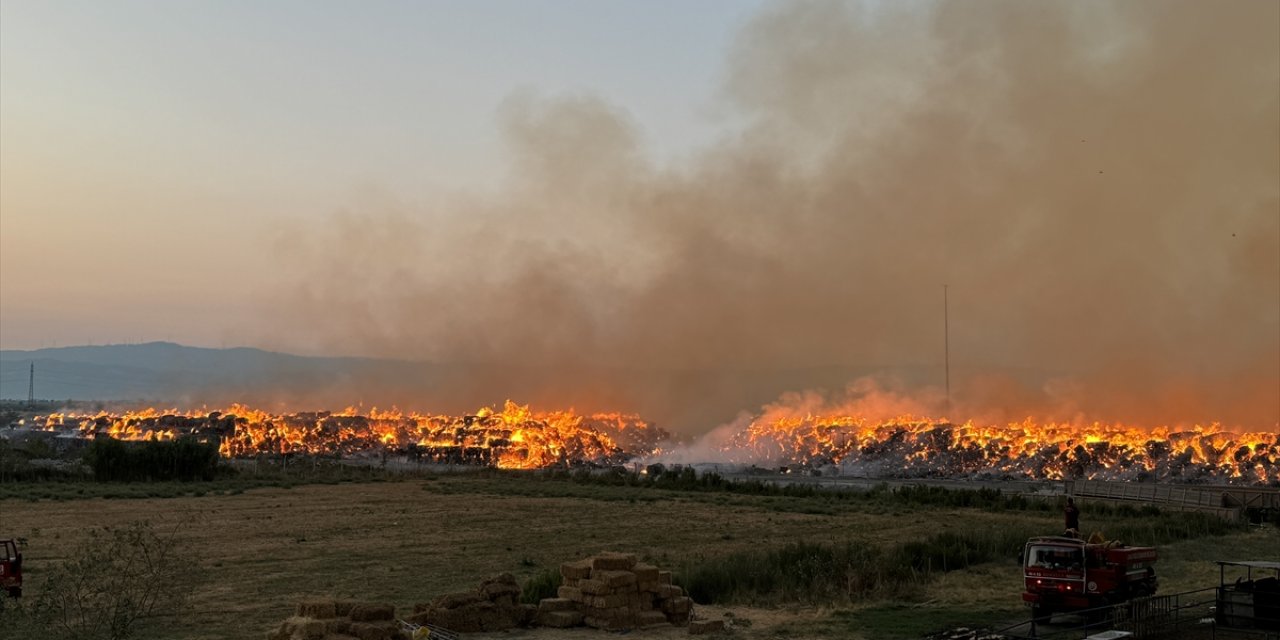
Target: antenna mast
[(946, 346), (31, 385)]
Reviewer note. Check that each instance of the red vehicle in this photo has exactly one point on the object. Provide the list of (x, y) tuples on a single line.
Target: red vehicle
[(1065, 574), (11, 568)]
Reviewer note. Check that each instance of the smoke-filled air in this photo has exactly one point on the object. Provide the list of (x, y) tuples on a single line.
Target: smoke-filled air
[(1094, 183)]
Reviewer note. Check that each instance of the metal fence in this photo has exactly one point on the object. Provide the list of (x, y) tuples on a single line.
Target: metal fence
[(1226, 501), (1189, 614)]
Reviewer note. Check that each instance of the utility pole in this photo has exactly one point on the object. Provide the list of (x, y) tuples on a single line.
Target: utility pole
[(946, 346), (31, 386)]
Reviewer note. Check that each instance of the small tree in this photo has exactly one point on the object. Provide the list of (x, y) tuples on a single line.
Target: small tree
[(115, 580)]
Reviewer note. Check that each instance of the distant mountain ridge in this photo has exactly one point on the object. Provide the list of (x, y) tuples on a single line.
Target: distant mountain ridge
[(164, 355), (168, 372)]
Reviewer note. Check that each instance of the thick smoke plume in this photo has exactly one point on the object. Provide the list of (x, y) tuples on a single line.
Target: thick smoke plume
[(1097, 182)]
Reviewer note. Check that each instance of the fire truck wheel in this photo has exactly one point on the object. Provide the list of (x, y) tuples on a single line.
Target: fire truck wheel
[(16, 592)]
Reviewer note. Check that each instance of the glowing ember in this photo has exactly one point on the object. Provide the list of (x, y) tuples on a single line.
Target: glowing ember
[(514, 438), (917, 447), (520, 438)]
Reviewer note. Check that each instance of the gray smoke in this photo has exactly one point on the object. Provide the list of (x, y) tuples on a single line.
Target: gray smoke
[(1097, 182)]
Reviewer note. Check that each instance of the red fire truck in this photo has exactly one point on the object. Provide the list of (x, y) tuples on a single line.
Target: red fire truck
[(10, 568), (1065, 574)]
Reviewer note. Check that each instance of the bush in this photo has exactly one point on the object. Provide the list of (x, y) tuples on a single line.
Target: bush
[(799, 571), (1171, 527), (185, 459), (543, 584), (953, 550), (111, 584)]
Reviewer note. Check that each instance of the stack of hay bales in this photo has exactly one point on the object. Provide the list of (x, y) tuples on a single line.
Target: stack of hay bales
[(493, 606), (329, 619), (612, 591)]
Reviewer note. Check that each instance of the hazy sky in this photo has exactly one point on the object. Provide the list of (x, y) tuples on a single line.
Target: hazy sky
[(680, 185), (150, 149)]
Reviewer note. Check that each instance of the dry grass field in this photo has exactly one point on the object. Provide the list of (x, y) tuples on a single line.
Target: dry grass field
[(403, 542)]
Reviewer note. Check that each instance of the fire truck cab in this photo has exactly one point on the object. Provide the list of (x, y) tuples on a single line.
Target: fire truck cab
[(1065, 574), (10, 568)]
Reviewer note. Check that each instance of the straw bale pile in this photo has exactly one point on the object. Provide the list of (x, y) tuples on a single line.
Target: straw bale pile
[(330, 619), (613, 591), (493, 606), (609, 591)]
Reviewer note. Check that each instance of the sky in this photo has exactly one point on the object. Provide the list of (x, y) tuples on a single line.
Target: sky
[(151, 150), (727, 186)]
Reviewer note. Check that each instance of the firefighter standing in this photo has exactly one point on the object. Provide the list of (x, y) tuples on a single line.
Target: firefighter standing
[(1072, 517)]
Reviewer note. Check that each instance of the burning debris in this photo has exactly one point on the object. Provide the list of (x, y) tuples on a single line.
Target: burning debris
[(514, 438), (912, 447), (907, 447)]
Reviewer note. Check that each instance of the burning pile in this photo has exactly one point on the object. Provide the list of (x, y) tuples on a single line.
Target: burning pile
[(911, 447), (519, 438), (514, 438)]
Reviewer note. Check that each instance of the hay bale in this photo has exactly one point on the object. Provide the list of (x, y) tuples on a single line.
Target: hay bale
[(593, 587), (570, 593), (605, 623), (371, 612), (342, 607), (320, 608), (559, 619), (609, 601), (615, 580), (462, 620), (301, 628), (645, 572), (457, 600), (495, 590), (668, 591), (613, 561), (337, 625), (651, 619), (576, 570), (527, 613), (683, 604), (491, 618), (700, 627), (426, 616), (380, 630), (664, 577), (556, 604), (622, 617)]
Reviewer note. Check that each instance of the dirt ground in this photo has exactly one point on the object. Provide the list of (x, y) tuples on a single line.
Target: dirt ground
[(407, 542)]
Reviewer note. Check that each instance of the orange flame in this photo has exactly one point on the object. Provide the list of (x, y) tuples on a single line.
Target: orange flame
[(1028, 448), (517, 437), (514, 438)]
